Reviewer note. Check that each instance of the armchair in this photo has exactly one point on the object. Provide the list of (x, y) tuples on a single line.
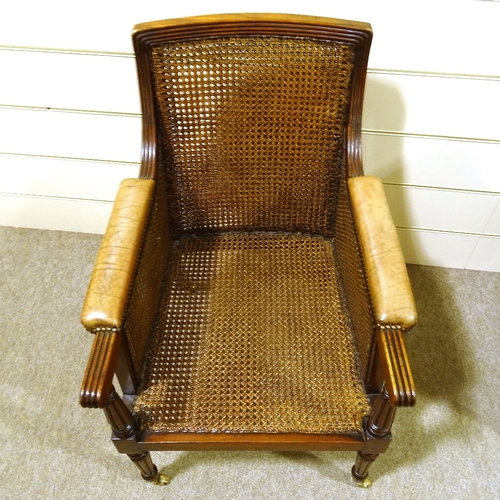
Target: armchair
[(250, 291)]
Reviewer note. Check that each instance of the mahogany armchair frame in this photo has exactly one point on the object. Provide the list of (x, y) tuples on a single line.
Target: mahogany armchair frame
[(389, 382)]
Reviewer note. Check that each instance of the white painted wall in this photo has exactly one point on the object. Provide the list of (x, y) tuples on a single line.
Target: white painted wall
[(70, 116)]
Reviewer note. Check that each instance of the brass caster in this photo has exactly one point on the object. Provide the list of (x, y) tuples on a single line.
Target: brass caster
[(363, 483), (161, 480)]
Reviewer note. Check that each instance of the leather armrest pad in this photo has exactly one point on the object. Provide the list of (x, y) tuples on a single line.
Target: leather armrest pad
[(110, 281), (385, 266)]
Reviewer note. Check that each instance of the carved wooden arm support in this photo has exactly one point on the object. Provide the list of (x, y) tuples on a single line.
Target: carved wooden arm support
[(107, 293), (395, 367), (112, 275), (388, 280), (98, 380)]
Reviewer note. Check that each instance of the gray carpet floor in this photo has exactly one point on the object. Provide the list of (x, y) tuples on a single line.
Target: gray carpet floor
[(448, 446)]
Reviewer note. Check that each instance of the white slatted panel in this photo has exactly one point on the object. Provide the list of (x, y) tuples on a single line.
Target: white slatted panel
[(63, 178), (431, 134), (449, 36), (72, 135), (61, 214), (433, 106), (493, 226), (439, 209), (486, 255), (71, 81), (445, 36), (433, 162), (437, 248)]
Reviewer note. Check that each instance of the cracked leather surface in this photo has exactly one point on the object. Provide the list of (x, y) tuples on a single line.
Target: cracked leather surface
[(385, 266), (114, 268)]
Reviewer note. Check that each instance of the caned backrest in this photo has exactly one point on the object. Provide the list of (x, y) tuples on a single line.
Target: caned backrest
[(256, 118)]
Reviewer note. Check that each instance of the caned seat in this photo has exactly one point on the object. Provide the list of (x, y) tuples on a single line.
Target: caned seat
[(228, 355), (250, 291)]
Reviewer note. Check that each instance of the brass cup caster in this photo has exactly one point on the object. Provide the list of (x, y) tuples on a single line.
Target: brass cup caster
[(361, 482), (161, 480)]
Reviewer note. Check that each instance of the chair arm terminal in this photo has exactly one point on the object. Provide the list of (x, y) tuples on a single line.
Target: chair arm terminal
[(98, 379), (395, 367)]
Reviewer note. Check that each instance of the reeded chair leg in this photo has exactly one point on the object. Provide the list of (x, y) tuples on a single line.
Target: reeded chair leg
[(378, 430), (145, 465), (360, 469), (124, 427)]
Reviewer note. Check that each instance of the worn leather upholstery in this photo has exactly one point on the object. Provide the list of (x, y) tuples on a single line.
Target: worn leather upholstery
[(385, 266), (114, 267)]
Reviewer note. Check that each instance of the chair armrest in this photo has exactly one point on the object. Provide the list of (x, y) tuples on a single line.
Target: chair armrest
[(114, 268), (395, 367), (98, 379), (387, 276)]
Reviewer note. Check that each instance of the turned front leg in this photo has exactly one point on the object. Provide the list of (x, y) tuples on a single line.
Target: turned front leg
[(124, 427), (397, 390), (378, 429)]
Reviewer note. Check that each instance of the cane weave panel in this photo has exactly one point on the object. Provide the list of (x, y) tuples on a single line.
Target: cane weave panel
[(144, 296), (255, 129), (254, 336), (353, 277)]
